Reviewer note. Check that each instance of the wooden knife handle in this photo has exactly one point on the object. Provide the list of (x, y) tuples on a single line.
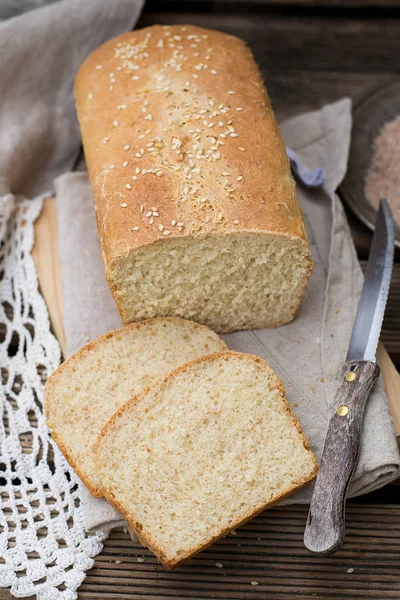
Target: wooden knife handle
[(325, 526)]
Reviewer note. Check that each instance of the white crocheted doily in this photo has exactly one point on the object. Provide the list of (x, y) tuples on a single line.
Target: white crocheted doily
[(44, 550)]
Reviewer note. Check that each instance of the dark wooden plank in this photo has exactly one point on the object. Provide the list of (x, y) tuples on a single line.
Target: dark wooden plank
[(307, 43), (268, 550), (300, 91), (308, 61), (218, 5), (314, 4)]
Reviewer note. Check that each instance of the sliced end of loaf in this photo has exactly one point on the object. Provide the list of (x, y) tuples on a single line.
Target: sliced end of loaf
[(191, 180), (87, 389), (203, 450), (227, 282)]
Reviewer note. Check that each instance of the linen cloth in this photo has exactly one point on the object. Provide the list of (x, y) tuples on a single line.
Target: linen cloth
[(307, 353)]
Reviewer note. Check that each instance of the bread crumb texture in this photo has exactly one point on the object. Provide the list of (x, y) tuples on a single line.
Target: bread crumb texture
[(87, 389), (236, 282), (186, 160), (204, 449)]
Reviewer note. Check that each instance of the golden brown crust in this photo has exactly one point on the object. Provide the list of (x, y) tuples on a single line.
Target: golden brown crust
[(183, 87), (145, 538), (97, 491)]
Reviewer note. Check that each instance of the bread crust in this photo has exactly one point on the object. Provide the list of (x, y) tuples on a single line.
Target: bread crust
[(202, 68), (144, 537), (97, 491)]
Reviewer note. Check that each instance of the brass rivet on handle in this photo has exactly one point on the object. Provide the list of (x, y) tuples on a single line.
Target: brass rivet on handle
[(343, 410), (351, 376)]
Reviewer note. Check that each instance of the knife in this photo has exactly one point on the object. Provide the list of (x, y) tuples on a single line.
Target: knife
[(325, 528)]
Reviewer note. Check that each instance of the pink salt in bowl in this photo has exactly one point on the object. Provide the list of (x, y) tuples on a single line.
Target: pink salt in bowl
[(374, 161)]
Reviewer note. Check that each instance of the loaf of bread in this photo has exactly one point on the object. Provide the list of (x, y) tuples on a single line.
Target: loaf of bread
[(203, 450), (87, 389), (196, 206)]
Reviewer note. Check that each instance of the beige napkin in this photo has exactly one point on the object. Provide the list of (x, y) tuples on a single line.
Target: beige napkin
[(307, 354)]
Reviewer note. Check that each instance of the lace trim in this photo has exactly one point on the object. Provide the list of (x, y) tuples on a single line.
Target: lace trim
[(44, 550)]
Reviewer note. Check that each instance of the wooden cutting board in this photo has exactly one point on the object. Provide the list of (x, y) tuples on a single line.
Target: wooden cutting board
[(48, 266)]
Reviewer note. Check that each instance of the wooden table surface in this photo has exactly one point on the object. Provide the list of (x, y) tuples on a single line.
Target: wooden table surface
[(309, 55)]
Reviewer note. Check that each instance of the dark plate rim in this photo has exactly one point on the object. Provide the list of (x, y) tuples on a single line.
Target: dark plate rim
[(345, 188)]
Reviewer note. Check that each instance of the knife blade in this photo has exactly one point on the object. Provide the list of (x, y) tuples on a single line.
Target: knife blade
[(372, 303), (325, 528)]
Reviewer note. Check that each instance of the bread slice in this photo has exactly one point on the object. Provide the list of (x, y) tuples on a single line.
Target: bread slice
[(91, 385), (203, 450)]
